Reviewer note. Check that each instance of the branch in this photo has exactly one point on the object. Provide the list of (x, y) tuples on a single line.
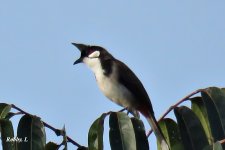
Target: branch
[(174, 106), (57, 131)]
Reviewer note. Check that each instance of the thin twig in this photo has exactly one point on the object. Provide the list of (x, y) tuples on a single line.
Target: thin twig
[(20, 110), (122, 110), (18, 113), (175, 105), (57, 131)]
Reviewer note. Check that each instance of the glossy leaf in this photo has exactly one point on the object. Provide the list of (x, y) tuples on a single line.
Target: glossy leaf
[(32, 132), (214, 100), (95, 135), (7, 135), (51, 146), (171, 132), (199, 109), (192, 132), (4, 110), (140, 134), (121, 134)]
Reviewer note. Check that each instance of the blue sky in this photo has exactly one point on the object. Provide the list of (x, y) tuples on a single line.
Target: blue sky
[(174, 47)]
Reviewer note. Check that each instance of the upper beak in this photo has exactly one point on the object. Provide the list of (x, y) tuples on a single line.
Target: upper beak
[(81, 47), (77, 61)]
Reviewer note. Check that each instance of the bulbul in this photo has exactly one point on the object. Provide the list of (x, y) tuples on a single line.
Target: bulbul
[(118, 83)]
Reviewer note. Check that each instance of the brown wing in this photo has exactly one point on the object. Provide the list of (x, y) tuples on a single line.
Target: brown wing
[(134, 85)]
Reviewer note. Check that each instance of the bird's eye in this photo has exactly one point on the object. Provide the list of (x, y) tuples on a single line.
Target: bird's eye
[(94, 54), (89, 51)]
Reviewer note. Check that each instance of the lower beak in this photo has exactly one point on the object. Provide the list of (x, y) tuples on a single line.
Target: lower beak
[(77, 61)]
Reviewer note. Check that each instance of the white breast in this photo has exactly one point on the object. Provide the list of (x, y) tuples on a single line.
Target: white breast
[(113, 90), (109, 84)]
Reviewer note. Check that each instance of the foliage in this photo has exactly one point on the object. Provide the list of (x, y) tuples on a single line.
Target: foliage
[(201, 127)]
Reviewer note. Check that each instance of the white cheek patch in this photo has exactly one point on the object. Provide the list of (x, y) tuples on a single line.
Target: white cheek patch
[(95, 54)]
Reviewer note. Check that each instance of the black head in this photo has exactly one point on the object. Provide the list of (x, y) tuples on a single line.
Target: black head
[(91, 52)]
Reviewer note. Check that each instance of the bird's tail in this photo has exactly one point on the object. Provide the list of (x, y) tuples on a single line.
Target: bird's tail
[(158, 133)]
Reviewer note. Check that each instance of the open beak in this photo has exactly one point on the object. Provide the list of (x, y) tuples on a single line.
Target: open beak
[(78, 61), (80, 47)]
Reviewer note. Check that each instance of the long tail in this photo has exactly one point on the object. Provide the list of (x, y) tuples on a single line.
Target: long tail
[(158, 133)]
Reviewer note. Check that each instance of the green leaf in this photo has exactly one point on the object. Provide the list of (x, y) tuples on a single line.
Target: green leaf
[(51, 146), (32, 133), (4, 110), (214, 100), (199, 109), (140, 135), (121, 132), (7, 135), (192, 132), (171, 132), (223, 89), (95, 134), (214, 146)]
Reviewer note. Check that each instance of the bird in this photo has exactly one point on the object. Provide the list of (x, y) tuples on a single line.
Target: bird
[(119, 84)]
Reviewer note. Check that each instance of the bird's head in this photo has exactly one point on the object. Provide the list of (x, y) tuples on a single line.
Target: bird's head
[(92, 55)]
